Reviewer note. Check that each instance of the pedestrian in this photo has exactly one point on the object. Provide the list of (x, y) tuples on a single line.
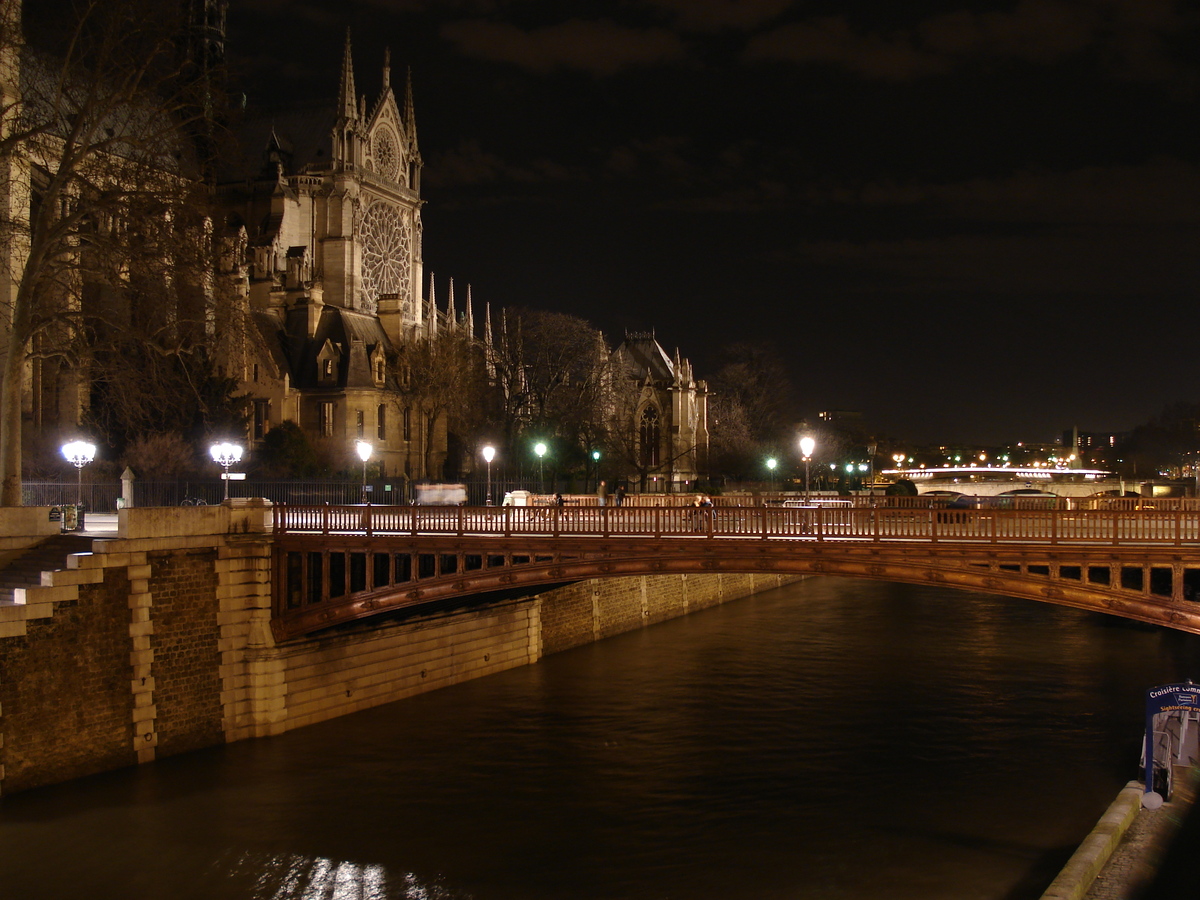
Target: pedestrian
[(558, 499), (620, 495), (602, 493)]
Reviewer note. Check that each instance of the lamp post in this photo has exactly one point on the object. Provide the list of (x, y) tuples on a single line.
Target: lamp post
[(489, 453), (79, 454), (225, 455), (365, 449), (771, 464), (540, 449), (807, 445)]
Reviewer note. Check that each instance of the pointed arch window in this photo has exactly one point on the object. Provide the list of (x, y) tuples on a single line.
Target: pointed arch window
[(650, 438)]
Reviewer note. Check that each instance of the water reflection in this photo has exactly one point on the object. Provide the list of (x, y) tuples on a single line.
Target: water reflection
[(834, 739), (290, 877)]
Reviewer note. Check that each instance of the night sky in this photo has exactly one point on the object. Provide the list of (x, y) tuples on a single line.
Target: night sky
[(968, 220)]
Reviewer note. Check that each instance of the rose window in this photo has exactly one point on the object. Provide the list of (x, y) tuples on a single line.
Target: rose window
[(387, 158), (386, 253)]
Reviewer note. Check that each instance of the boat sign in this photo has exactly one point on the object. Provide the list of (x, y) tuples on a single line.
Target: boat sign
[(1166, 698)]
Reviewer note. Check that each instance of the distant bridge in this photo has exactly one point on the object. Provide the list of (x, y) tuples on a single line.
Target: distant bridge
[(335, 565)]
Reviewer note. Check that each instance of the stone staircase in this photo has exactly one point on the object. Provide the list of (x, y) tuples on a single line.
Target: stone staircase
[(48, 556)]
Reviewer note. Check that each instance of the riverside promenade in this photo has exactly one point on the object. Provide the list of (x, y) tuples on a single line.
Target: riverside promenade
[(1121, 858)]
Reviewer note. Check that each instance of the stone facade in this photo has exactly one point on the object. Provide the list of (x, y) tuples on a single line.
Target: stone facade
[(660, 415)]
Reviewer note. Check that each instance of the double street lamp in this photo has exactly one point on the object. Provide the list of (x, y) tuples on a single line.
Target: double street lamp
[(226, 454), (79, 454)]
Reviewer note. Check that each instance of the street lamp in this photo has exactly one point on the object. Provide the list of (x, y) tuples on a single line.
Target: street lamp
[(365, 449), (540, 449), (79, 454), (771, 464), (807, 446), (225, 455), (489, 453)]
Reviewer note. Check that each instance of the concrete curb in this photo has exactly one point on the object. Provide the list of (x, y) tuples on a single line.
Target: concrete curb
[(1085, 864)]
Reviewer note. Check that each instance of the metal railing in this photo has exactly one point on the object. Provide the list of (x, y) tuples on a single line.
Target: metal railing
[(843, 523)]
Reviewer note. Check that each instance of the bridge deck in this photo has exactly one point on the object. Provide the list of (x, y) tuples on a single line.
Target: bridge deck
[(1175, 527), (335, 565)]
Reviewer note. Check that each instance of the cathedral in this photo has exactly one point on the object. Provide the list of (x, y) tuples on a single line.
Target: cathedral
[(660, 415), (317, 291), (326, 248)]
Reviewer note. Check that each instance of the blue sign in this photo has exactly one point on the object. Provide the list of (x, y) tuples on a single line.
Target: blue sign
[(1164, 699)]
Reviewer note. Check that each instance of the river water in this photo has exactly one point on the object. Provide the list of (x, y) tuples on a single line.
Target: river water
[(831, 739)]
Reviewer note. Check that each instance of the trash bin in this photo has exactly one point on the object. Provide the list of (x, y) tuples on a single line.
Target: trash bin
[(79, 517), (70, 517)]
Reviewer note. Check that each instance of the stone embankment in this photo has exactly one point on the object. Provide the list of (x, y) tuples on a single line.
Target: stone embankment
[(1120, 856), (156, 640)]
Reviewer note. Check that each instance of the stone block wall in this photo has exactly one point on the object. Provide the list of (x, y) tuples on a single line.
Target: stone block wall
[(66, 709), (590, 610), (333, 676), (185, 641)]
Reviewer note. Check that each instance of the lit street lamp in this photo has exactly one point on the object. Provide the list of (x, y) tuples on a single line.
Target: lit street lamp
[(225, 455), (771, 464), (489, 453), (540, 449), (807, 446), (595, 467), (79, 454), (365, 450)]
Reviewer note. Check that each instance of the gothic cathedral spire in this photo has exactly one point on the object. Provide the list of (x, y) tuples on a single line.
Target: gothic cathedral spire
[(348, 147), (347, 102)]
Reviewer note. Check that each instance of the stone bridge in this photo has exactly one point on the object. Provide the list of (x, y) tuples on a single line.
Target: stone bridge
[(336, 565)]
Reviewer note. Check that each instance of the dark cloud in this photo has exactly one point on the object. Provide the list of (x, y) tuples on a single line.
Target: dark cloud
[(598, 47)]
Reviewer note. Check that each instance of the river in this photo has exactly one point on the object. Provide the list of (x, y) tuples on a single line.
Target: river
[(831, 739)]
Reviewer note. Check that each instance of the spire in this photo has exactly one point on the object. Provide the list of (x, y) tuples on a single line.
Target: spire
[(451, 314), (432, 323), (347, 101), (410, 116), (387, 68), (470, 315), (488, 351)]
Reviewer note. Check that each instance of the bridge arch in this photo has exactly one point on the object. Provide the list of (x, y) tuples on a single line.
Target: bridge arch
[(378, 575)]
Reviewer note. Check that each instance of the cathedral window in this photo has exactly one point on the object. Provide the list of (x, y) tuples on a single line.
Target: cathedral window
[(327, 418), (262, 413), (650, 434), (407, 424), (360, 421), (386, 253), (381, 433)]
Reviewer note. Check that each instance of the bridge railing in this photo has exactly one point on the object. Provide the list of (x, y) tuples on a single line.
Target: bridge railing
[(811, 523)]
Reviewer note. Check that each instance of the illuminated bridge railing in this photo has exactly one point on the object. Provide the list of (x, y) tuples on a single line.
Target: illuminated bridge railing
[(1161, 527)]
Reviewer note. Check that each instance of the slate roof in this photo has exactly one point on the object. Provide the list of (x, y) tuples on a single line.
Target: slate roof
[(642, 353), (355, 335)]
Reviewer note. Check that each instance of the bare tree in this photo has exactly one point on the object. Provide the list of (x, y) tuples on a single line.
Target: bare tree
[(550, 369), (98, 178), (444, 381)]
